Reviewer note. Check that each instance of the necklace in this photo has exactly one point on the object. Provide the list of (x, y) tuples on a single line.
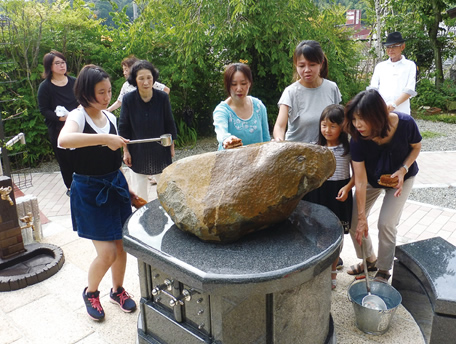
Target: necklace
[(59, 81)]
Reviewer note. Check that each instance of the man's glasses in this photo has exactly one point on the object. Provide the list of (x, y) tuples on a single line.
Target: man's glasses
[(393, 46), (60, 63)]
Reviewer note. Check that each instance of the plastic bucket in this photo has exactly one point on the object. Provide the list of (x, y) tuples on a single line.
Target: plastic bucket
[(368, 320)]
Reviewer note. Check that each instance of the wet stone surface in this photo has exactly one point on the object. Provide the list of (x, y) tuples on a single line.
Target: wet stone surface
[(424, 275)]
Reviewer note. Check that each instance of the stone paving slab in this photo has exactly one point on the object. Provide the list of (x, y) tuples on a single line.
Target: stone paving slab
[(53, 307), (53, 312), (437, 169)]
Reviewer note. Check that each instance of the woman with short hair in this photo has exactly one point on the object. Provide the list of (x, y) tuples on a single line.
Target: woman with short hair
[(100, 199), (127, 63), (382, 143), (146, 113)]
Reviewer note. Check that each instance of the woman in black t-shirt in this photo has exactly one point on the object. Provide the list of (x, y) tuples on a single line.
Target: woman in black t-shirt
[(382, 143)]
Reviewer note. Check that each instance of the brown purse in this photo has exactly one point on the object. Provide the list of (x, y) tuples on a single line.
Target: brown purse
[(138, 202)]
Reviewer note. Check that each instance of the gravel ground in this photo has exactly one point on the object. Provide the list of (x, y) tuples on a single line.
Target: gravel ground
[(444, 141)]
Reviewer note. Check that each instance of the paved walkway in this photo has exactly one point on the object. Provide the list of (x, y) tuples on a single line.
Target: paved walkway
[(52, 311)]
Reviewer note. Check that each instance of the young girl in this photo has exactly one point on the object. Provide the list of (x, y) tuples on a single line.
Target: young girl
[(302, 102), (100, 200), (335, 193)]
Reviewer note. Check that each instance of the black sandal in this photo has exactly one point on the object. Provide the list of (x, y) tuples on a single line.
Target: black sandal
[(382, 276), (359, 269)]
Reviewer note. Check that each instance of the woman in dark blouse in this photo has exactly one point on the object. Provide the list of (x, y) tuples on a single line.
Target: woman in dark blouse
[(55, 100), (382, 143), (146, 113)]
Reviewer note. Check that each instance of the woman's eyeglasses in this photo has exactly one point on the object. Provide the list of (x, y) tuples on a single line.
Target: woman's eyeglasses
[(60, 63)]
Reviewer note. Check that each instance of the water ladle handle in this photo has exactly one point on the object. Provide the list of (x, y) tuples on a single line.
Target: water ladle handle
[(143, 141), (165, 140), (363, 247)]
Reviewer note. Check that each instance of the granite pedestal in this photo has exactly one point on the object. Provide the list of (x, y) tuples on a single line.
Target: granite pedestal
[(424, 274), (272, 286)]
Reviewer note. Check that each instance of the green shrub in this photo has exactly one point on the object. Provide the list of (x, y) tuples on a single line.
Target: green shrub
[(186, 135), (429, 95)]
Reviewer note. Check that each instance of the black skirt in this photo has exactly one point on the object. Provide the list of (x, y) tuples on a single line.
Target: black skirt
[(326, 195)]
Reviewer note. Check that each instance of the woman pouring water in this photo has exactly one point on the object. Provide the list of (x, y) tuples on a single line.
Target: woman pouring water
[(384, 145)]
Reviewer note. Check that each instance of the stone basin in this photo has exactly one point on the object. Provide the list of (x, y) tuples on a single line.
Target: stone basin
[(37, 263)]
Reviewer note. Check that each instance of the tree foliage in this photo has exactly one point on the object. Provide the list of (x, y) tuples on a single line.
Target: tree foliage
[(190, 41), (427, 28), (32, 30)]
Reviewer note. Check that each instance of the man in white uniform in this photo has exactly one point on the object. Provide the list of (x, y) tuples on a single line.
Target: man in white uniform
[(395, 78)]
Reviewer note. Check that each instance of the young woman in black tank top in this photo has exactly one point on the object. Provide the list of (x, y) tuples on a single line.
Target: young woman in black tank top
[(100, 199)]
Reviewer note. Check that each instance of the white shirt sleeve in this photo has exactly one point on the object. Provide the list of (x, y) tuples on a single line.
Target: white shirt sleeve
[(77, 115), (159, 86), (375, 81), (411, 80), (126, 88)]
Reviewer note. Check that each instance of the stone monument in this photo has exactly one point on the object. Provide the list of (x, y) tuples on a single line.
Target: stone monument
[(270, 281)]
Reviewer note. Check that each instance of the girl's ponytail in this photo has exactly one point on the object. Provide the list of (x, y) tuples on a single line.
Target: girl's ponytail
[(324, 71)]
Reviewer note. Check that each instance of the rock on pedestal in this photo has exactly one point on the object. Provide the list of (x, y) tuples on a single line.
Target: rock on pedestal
[(222, 196)]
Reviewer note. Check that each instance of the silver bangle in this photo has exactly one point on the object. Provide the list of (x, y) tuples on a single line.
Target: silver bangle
[(406, 168)]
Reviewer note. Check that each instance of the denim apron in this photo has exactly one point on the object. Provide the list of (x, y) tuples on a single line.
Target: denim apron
[(100, 205)]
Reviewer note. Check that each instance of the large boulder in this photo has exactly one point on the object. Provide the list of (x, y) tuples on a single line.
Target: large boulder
[(224, 195)]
